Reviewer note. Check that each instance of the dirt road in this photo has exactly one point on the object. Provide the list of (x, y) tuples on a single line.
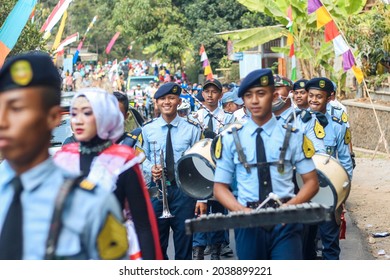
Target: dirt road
[(369, 201)]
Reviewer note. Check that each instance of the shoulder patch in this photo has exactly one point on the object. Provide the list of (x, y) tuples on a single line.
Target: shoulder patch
[(112, 240), (132, 136), (344, 117), (307, 147), (193, 122), (140, 139), (336, 119), (217, 147), (347, 136), (87, 185), (319, 130)]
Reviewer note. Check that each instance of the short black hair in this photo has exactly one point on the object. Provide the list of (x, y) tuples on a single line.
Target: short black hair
[(122, 98)]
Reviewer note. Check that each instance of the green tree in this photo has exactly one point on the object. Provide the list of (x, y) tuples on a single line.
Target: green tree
[(313, 54)]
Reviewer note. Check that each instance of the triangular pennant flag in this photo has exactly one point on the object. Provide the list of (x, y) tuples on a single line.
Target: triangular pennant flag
[(331, 31), (340, 46), (313, 5), (323, 17), (348, 60)]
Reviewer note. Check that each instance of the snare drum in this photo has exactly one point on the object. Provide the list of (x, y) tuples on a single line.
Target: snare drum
[(195, 170), (333, 179)]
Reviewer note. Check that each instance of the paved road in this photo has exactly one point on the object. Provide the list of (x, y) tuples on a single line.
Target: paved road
[(354, 247)]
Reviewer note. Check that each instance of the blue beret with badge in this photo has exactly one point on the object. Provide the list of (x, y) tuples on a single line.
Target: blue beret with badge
[(256, 78), (168, 88), (320, 83), (300, 84), (28, 70)]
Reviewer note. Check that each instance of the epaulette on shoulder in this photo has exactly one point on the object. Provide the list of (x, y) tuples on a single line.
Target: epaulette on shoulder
[(132, 136), (87, 185), (293, 129), (193, 122), (336, 119), (229, 128), (149, 121)]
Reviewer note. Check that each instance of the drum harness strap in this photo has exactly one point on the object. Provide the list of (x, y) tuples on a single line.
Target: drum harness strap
[(56, 222), (240, 151)]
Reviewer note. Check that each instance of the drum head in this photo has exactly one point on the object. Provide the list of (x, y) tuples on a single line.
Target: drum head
[(195, 176)]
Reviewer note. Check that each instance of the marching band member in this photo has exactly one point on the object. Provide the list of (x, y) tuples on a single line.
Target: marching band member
[(336, 139), (300, 94), (261, 139), (97, 123), (33, 189), (215, 118), (172, 135)]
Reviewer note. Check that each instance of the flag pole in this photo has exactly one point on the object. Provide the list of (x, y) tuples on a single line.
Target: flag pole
[(365, 88)]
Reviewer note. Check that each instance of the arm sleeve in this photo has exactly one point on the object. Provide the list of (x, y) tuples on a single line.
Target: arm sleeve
[(343, 152), (131, 188), (225, 165)]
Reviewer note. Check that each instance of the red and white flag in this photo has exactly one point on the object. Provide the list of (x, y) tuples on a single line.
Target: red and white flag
[(69, 40), (55, 16)]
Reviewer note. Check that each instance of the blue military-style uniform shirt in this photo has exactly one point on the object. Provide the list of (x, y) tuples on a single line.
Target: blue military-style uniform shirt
[(184, 134), (338, 112), (224, 117), (273, 137), (306, 128), (336, 143), (83, 218)]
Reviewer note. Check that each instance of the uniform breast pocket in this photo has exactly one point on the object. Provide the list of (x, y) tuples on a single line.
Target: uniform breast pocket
[(250, 156)]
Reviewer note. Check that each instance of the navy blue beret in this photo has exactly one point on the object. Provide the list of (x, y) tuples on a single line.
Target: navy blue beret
[(28, 70), (214, 82), (256, 78), (320, 83), (300, 84), (168, 88)]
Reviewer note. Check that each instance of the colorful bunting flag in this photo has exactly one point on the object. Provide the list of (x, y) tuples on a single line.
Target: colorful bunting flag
[(332, 33), (76, 54), (290, 42), (206, 64), (112, 42), (57, 40), (67, 41), (54, 17), (13, 26)]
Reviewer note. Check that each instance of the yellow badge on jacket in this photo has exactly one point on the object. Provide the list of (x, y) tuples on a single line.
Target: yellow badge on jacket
[(308, 147), (319, 130)]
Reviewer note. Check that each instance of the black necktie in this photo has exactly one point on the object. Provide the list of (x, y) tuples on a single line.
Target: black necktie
[(263, 172), (210, 124), (169, 158), (11, 237)]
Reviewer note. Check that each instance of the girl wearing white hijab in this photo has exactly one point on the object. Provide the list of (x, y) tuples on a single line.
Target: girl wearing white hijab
[(97, 123)]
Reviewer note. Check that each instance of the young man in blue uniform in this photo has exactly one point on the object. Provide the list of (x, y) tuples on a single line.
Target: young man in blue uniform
[(336, 139), (261, 139), (32, 186), (173, 135)]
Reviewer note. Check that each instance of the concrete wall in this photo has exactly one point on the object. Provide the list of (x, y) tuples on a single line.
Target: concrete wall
[(364, 127)]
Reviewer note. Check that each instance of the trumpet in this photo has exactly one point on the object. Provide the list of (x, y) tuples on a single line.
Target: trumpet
[(165, 213)]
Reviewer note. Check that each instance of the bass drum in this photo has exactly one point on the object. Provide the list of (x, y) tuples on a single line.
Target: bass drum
[(334, 181), (195, 170)]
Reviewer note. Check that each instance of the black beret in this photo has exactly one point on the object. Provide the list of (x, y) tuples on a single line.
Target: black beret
[(320, 83), (256, 78), (168, 88), (214, 82), (300, 84), (29, 69)]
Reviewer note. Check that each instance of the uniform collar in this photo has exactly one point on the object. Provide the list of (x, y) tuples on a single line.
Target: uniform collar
[(174, 122), (31, 178), (267, 127), (286, 113)]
